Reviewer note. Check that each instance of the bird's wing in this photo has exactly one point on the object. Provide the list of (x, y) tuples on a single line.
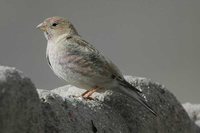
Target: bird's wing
[(102, 65), (94, 57)]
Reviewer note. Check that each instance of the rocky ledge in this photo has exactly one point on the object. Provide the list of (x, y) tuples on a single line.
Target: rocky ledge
[(25, 109)]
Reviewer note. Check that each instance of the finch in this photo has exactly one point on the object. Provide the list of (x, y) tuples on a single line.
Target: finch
[(80, 64)]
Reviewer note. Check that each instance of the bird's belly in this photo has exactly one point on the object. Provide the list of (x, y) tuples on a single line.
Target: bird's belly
[(71, 68), (65, 69)]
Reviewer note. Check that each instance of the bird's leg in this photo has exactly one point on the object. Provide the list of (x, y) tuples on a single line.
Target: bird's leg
[(88, 93)]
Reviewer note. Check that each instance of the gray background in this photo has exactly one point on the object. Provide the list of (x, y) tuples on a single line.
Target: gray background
[(157, 39)]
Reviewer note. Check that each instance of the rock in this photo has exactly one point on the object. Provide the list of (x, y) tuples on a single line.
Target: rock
[(112, 112), (193, 111), (20, 110), (60, 111)]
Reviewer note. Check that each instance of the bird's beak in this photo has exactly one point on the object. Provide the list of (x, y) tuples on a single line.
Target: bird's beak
[(41, 26)]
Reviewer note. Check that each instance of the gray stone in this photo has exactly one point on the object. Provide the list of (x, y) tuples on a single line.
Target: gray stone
[(62, 111), (20, 110), (112, 112), (193, 111)]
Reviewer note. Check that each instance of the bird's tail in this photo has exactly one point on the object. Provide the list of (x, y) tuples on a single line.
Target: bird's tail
[(137, 97)]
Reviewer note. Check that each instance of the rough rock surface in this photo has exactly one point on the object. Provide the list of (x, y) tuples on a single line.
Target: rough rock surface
[(59, 111), (20, 110), (193, 111), (112, 112)]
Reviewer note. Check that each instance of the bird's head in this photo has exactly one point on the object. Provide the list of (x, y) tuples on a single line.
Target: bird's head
[(53, 27)]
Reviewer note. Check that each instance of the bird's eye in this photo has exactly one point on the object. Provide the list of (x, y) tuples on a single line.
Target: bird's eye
[(54, 24)]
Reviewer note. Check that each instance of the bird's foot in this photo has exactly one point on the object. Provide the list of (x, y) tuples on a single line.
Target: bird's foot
[(88, 98), (82, 97), (87, 95)]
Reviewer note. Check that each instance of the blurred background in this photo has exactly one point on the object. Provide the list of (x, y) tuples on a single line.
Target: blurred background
[(157, 39)]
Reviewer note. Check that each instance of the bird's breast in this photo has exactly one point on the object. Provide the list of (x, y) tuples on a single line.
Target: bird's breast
[(67, 64)]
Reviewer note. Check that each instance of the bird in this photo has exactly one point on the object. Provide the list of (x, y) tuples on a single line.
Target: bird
[(80, 64)]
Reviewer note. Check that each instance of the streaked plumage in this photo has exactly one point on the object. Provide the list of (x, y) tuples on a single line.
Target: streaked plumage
[(80, 64)]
